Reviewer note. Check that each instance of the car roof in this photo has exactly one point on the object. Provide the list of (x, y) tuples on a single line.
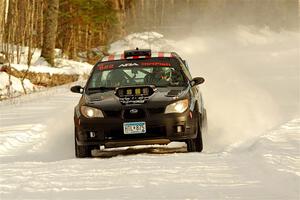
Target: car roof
[(121, 56)]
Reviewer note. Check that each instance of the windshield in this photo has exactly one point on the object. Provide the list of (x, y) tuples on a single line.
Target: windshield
[(161, 72)]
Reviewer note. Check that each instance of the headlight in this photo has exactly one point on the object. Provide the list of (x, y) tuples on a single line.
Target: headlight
[(90, 112), (177, 107)]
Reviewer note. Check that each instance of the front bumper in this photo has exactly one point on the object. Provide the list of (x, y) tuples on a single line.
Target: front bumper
[(160, 129)]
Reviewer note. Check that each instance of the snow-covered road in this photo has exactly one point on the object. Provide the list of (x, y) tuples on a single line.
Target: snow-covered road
[(252, 149), (37, 162)]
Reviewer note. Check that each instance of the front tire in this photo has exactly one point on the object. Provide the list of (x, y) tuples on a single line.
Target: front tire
[(82, 151), (196, 145)]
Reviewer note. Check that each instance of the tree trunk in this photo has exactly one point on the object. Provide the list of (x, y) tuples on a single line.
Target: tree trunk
[(9, 32), (50, 31), (2, 21), (119, 7)]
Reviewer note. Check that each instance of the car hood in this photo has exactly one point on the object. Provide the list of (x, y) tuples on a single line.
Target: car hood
[(161, 97)]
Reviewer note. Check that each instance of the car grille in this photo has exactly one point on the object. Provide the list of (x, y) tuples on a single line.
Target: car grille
[(130, 115)]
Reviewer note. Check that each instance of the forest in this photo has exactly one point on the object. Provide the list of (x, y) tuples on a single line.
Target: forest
[(82, 29)]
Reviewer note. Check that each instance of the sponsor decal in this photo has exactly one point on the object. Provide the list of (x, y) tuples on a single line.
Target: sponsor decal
[(128, 65), (144, 64), (105, 67), (161, 64)]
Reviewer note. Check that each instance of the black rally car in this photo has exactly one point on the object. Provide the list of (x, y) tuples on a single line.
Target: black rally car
[(139, 98)]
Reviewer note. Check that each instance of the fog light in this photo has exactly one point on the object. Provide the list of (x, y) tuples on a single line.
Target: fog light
[(92, 134), (179, 129)]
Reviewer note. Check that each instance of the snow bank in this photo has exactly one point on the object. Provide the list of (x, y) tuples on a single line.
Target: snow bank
[(73, 67), (13, 87), (64, 66), (144, 40), (40, 65)]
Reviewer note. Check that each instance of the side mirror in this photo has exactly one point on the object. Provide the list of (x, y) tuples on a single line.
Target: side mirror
[(197, 81), (77, 89)]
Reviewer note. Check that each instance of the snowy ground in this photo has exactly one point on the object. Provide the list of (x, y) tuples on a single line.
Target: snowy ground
[(251, 150), (37, 162), (15, 87)]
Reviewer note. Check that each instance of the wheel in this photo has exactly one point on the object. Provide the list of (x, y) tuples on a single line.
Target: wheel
[(196, 145), (82, 151), (190, 145), (198, 140)]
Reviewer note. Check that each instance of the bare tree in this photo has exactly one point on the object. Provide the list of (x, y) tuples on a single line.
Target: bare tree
[(2, 20), (50, 31)]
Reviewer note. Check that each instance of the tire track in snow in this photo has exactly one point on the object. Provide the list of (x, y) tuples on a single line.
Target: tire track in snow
[(39, 127)]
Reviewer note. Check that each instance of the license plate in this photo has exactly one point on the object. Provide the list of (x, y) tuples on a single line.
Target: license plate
[(134, 127)]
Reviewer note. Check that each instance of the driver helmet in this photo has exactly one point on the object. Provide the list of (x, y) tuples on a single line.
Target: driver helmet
[(116, 78)]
